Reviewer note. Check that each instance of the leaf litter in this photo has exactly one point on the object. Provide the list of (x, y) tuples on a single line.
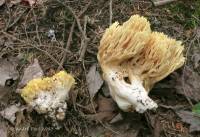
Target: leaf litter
[(8, 70), (32, 71), (9, 113), (3, 129), (188, 84), (106, 110), (94, 81), (190, 118)]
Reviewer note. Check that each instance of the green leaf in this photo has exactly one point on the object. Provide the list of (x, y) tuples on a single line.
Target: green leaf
[(196, 109)]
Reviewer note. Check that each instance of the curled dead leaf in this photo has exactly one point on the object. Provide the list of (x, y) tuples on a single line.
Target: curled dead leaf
[(3, 129), (2, 2), (8, 70), (31, 72), (188, 84), (106, 111), (94, 81), (9, 112), (190, 118)]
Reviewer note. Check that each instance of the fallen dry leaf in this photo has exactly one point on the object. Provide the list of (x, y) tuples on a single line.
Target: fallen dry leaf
[(188, 84), (14, 2), (106, 104), (161, 2), (94, 81), (3, 129), (5, 95), (8, 70), (197, 32), (106, 110), (2, 2), (196, 60), (9, 113), (117, 118), (33, 2), (190, 118), (105, 90), (30, 2), (31, 72), (130, 126), (3, 91)]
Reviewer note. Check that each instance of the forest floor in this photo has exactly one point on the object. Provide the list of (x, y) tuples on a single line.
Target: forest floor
[(42, 32)]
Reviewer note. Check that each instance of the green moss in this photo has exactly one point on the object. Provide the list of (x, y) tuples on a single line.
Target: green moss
[(187, 14)]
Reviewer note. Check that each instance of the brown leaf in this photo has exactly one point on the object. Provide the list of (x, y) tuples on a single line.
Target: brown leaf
[(102, 116), (106, 110), (117, 118), (94, 81), (190, 118), (2, 2), (196, 60), (4, 91), (3, 129), (188, 84), (9, 113), (5, 95), (30, 2), (161, 2), (128, 127), (8, 70), (157, 128), (33, 2), (90, 108), (14, 2), (106, 104), (31, 72)]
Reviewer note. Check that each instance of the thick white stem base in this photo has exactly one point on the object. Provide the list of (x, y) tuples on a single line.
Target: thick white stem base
[(131, 96)]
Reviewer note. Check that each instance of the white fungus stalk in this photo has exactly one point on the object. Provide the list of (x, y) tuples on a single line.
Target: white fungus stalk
[(128, 96), (132, 51)]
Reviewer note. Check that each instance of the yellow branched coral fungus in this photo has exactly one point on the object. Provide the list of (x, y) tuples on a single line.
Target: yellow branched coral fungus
[(133, 59), (48, 95)]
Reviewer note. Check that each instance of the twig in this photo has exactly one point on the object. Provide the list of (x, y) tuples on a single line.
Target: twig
[(36, 27), (75, 16), (70, 36), (67, 46), (35, 46), (84, 42), (71, 30), (161, 2), (183, 76), (9, 18), (110, 10), (16, 20), (85, 9), (56, 47)]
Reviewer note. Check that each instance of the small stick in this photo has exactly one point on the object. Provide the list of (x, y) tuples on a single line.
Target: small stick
[(35, 46), (15, 21), (84, 42), (75, 16), (161, 2), (67, 46), (110, 9), (36, 28), (72, 28)]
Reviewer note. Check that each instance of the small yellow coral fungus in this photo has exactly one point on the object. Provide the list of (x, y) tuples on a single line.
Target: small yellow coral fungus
[(48, 95), (133, 59)]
